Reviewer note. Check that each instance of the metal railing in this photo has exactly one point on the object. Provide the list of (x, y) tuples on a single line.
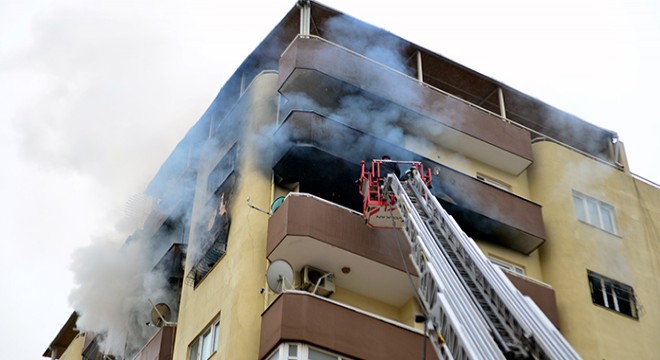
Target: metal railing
[(454, 97)]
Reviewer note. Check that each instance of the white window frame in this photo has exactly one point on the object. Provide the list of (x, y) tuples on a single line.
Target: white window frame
[(600, 217), (494, 182), (608, 294), (212, 333), (299, 351), (507, 266)]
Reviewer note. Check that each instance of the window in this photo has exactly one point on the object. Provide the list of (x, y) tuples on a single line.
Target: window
[(213, 234), (296, 351), (612, 294), (507, 266), (206, 344), (594, 212), (490, 181), (222, 170), (321, 355)]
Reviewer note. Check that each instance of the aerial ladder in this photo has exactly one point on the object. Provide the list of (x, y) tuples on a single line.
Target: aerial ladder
[(472, 310)]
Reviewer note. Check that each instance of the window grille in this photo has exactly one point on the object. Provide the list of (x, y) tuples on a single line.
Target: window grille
[(612, 294)]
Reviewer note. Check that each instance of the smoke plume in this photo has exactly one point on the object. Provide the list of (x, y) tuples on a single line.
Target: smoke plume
[(115, 287)]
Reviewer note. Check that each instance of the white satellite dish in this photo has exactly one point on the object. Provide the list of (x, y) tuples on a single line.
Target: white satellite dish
[(279, 275)]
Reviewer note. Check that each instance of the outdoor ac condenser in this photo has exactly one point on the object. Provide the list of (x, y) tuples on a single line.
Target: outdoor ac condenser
[(311, 276)]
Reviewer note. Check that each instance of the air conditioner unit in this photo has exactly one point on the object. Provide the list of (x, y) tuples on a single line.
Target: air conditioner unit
[(311, 276)]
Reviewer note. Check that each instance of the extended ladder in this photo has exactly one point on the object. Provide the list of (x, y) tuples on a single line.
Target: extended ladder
[(472, 308)]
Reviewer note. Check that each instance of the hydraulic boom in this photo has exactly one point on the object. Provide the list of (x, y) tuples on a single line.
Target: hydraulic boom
[(473, 311)]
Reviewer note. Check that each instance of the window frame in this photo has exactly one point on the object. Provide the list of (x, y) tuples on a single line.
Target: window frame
[(301, 352), (215, 240), (608, 295), (604, 215), (494, 182), (508, 266), (196, 347)]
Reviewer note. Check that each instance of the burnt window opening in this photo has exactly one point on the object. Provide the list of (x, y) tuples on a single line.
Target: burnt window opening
[(342, 192), (174, 230), (223, 169), (321, 174), (213, 233), (612, 294), (171, 267)]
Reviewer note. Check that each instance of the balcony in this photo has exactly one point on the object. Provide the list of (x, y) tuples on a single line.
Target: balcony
[(324, 156), (296, 316), (306, 230), (489, 213), (329, 75), (160, 347)]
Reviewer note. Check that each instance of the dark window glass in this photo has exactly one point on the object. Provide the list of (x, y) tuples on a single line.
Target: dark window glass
[(612, 294)]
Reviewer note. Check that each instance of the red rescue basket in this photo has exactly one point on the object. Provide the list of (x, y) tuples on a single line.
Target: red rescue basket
[(378, 208)]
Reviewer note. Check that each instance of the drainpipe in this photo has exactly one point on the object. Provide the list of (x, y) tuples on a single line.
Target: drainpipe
[(305, 16), (420, 72), (500, 96)]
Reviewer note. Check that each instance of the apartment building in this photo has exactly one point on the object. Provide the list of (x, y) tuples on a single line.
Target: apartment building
[(269, 173)]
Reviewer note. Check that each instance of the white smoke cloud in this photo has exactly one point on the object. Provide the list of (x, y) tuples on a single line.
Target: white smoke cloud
[(366, 40), (105, 94), (115, 285)]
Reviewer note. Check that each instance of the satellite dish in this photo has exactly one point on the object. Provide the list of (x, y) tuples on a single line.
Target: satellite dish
[(279, 275), (160, 315)]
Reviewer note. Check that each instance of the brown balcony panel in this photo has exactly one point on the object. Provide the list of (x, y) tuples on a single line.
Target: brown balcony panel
[(304, 318), (312, 217), (489, 213), (160, 346), (543, 296), (326, 73), (306, 230)]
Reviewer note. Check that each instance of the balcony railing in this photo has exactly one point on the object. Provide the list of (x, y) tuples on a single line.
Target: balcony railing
[(541, 293), (160, 346), (299, 316), (328, 74), (306, 230)]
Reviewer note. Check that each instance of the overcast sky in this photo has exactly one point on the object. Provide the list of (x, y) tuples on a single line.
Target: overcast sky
[(94, 95)]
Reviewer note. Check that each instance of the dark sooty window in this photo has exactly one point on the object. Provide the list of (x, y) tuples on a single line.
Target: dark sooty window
[(612, 294)]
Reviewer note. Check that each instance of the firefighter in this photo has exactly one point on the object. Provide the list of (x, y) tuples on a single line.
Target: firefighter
[(389, 167)]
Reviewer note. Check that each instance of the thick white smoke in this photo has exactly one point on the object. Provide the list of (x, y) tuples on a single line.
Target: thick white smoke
[(115, 284)]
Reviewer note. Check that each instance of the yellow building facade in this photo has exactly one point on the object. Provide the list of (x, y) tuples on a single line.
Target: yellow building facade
[(627, 255)]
